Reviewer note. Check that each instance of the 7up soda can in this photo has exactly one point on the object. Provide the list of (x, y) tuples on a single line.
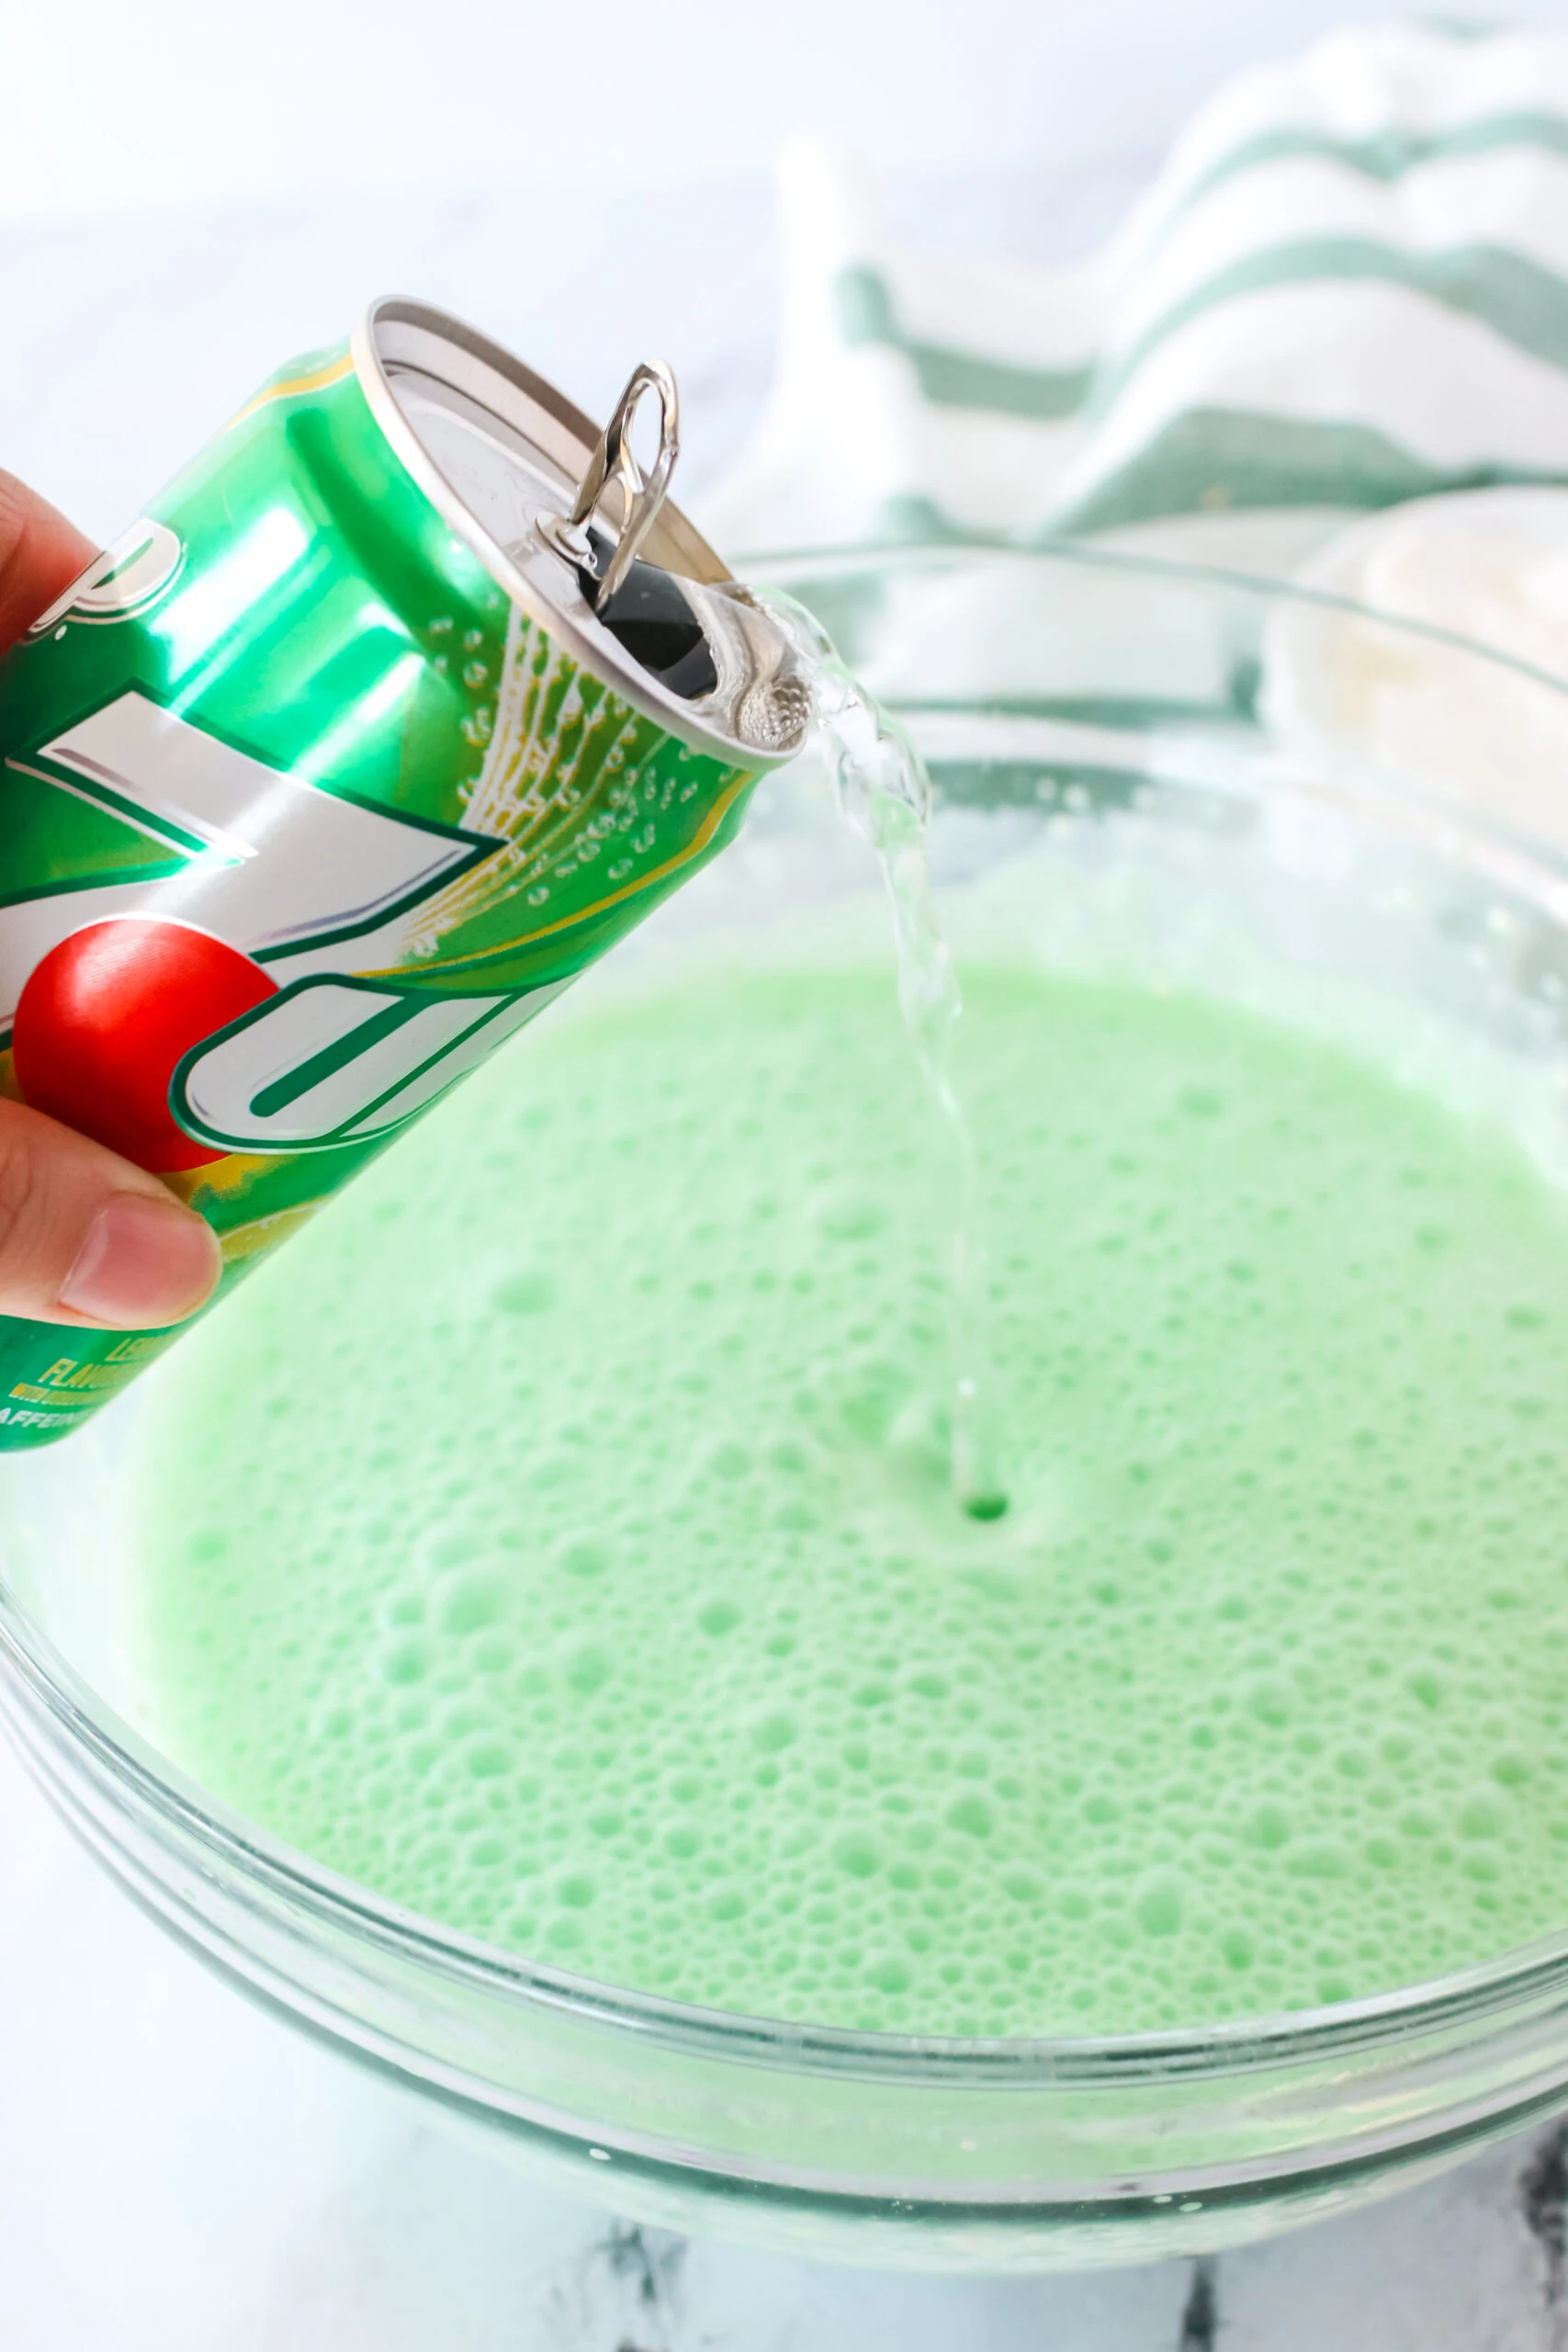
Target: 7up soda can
[(403, 703)]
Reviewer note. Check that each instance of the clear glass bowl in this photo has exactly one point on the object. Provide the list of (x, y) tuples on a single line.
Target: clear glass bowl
[(1263, 792)]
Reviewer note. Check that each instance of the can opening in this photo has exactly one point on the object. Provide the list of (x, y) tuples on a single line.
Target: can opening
[(579, 531), (648, 615)]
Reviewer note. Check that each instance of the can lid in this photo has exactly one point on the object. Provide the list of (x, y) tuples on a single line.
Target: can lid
[(525, 479)]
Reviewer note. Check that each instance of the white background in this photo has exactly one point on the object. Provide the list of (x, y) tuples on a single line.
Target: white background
[(132, 102)]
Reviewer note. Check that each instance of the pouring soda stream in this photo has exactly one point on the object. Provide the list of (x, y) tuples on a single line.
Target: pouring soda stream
[(883, 790)]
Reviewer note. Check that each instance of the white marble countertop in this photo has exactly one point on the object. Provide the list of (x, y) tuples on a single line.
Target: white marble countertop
[(179, 2173)]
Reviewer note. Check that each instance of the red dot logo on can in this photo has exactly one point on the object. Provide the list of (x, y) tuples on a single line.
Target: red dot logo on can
[(107, 1014)]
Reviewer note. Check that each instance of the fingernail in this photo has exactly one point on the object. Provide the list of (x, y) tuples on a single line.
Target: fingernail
[(144, 1262)]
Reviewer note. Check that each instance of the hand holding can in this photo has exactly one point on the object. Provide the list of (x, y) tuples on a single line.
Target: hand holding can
[(401, 706), (85, 1234)]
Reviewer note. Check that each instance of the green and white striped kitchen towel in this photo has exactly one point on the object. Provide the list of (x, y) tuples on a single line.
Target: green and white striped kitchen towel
[(1349, 287)]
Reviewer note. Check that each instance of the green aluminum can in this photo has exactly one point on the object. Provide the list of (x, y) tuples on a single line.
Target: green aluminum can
[(377, 729)]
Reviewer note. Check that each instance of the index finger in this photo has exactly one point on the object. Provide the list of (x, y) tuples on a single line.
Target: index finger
[(40, 554)]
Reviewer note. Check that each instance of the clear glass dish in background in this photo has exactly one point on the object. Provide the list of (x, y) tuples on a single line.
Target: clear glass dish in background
[(1247, 789)]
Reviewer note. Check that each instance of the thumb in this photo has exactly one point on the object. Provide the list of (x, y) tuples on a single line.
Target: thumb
[(86, 1237), (40, 553)]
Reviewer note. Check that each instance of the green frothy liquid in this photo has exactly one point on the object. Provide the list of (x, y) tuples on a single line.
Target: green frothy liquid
[(558, 1537)]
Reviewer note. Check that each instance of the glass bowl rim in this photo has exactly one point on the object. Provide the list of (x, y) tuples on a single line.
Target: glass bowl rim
[(781, 565)]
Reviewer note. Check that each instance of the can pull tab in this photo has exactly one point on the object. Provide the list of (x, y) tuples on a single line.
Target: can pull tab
[(614, 467)]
